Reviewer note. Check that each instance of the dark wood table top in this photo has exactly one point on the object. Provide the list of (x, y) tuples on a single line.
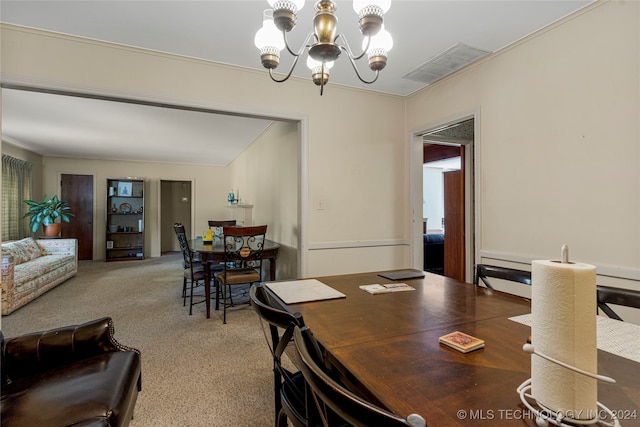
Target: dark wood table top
[(387, 346)]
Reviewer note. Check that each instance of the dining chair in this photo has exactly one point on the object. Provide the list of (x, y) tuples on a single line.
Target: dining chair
[(193, 271), (335, 404), (288, 387), (616, 296), (484, 271), (605, 295), (242, 261), (217, 225)]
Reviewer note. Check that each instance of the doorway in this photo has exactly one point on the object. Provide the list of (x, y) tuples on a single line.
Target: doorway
[(77, 190), (447, 232), (175, 206), (443, 209)]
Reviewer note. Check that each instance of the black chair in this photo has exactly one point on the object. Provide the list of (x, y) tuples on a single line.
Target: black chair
[(193, 271), (217, 226), (288, 387), (336, 405), (484, 271), (605, 295), (434, 253), (616, 296), (242, 261)]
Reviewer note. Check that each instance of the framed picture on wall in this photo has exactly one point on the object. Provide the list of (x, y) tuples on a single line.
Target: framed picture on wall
[(124, 189)]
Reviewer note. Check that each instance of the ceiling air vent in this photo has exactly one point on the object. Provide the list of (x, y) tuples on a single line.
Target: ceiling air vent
[(445, 63)]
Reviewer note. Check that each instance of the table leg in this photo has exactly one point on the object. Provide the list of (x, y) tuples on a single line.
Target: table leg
[(272, 268), (207, 288), (217, 295)]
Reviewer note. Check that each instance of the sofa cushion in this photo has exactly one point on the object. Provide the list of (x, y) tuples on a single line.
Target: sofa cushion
[(39, 268), (22, 250), (90, 390)]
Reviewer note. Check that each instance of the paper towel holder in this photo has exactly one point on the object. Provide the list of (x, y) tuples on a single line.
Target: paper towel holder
[(528, 348), (564, 255), (546, 416)]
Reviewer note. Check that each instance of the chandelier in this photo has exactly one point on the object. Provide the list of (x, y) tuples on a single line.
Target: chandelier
[(324, 44)]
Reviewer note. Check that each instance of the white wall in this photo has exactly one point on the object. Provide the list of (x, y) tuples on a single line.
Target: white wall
[(558, 139), (208, 185), (267, 175), (354, 157), (558, 142)]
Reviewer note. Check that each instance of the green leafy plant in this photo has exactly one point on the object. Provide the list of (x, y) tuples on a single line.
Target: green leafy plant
[(47, 212)]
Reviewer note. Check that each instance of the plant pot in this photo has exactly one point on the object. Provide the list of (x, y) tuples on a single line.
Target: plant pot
[(52, 230)]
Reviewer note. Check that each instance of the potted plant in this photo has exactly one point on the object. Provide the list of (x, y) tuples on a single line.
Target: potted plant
[(46, 213)]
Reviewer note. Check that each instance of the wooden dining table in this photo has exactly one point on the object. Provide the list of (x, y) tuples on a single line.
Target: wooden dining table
[(387, 350), (214, 252)]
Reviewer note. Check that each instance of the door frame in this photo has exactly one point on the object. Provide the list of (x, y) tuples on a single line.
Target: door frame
[(471, 185), (191, 207)]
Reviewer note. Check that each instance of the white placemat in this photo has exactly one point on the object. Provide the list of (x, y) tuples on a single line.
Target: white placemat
[(614, 336), (295, 291)]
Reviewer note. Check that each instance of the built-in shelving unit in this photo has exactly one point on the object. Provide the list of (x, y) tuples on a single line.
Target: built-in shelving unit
[(125, 219)]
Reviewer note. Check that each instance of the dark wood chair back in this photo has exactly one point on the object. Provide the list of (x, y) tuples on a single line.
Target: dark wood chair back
[(226, 223), (187, 254), (616, 296), (217, 226), (288, 387), (332, 399), (242, 260), (193, 272), (484, 271), (244, 245)]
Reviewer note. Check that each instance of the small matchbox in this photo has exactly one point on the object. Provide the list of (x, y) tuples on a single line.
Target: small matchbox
[(461, 341)]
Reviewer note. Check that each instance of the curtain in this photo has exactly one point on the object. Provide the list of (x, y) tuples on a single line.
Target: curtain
[(16, 188)]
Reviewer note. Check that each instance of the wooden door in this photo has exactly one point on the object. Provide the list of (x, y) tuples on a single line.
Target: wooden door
[(454, 259), (78, 191)]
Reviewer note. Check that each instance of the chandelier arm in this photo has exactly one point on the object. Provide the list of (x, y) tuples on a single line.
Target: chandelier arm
[(355, 68), (295, 55), (293, 66), (347, 48), (302, 48)]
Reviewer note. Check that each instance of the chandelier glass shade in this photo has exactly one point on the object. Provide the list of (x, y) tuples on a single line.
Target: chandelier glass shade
[(324, 44)]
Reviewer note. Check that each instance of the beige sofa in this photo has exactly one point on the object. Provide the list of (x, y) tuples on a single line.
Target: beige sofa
[(32, 267)]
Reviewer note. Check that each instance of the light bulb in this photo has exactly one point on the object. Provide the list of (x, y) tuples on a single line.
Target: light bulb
[(268, 35), (382, 40), (312, 63)]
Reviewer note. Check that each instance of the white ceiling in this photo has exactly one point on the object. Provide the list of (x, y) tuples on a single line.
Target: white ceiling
[(223, 31)]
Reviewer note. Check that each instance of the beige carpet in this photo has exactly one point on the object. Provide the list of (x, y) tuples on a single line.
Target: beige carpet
[(195, 371)]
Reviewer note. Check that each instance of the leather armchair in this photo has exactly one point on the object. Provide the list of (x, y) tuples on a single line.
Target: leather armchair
[(74, 375)]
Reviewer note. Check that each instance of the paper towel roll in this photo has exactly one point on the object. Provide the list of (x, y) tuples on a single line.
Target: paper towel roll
[(563, 311)]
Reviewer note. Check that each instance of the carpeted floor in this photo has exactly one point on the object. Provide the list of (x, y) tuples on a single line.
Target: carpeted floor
[(195, 371)]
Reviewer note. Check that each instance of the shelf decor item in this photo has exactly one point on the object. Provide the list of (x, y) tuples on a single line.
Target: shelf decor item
[(124, 188), (46, 213)]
